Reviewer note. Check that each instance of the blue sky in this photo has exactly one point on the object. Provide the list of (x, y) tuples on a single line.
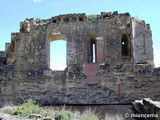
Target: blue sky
[(58, 55), (14, 11)]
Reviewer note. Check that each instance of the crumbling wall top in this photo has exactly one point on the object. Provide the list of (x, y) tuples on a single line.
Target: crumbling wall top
[(109, 15), (142, 23), (84, 17), (29, 24), (2, 58), (69, 18), (2, 53)]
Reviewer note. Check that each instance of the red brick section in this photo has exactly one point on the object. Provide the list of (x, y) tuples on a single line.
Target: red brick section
[(90, 70), (119, 92), (100, 50)]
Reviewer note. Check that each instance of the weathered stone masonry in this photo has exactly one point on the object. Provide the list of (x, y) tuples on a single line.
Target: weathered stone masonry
[(109, 61)]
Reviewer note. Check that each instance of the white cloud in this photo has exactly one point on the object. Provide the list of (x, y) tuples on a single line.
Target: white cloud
[(37, 1), (157, 57)]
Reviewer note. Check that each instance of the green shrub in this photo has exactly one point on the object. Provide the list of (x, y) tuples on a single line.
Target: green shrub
[(25, 109), (63, 115)]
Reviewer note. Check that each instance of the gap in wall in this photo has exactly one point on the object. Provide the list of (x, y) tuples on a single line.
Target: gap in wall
[(58, 55)]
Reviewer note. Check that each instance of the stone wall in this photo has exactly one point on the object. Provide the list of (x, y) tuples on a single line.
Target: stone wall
[(142, 39), (120, 73)]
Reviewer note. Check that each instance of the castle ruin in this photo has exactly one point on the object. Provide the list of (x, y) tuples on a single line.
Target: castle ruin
[(109, 61)]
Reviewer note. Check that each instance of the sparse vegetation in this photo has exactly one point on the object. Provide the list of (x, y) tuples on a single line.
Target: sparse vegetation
[(63, 115), (26, 109), (93, 17), (29, 108), (114, 117)]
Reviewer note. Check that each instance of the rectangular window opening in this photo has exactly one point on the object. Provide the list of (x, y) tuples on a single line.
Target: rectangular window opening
[(92, 52), (125, 47)]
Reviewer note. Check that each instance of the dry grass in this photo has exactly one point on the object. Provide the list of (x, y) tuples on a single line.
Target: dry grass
[(114, 117), (26, 109)]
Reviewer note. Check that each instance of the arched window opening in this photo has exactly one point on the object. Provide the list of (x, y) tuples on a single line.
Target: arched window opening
[(3, 60), (80, 19), (92, 50), (54, 21), (58, 55), (125, 45), (74, 19), (105, 16), (66, 19)]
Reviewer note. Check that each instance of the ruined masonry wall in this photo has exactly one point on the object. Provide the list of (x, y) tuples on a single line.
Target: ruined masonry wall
[(142, 39), (123, 70)]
